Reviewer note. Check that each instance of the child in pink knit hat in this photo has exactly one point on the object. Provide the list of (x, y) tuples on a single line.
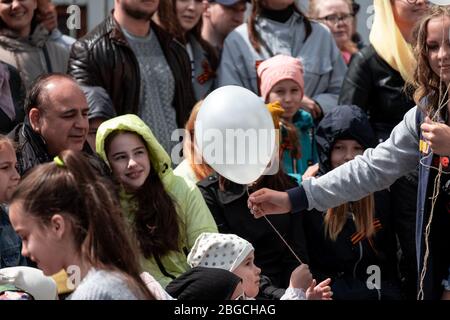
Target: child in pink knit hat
[(281, 79)]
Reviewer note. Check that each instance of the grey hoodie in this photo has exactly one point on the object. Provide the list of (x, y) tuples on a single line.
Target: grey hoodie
[(375, 170)]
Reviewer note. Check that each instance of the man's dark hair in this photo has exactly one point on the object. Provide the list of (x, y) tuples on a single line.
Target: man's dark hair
[(37, 96)]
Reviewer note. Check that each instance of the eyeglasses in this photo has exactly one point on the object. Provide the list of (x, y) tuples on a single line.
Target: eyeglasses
[(334, 18)]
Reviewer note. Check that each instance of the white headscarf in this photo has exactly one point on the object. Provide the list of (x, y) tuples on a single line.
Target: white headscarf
[(217, 250)]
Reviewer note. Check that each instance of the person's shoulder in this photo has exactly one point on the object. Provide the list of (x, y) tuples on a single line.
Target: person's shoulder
[(320, 30), (103, 284), (367, 53), (210, 182), (100, 32), (166, 39), (15, 132), (239, 34), (321, 37)]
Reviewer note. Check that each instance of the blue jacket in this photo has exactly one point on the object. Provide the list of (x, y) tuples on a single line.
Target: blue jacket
[(10, 243)]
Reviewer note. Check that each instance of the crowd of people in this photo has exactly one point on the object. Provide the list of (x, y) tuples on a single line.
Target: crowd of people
[(95, 204)]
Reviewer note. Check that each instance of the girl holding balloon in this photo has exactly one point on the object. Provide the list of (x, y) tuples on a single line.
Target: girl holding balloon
[(421, 139)]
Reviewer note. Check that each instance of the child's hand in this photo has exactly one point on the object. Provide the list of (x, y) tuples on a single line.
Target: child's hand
[(311, 172), (301, 277), (320, 292), (437, 135), (311, 106)]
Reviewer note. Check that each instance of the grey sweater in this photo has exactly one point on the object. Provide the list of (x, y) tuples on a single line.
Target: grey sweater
[(375, 170), (102, 285)]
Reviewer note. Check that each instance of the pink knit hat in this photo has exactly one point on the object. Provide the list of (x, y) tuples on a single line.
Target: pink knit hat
[(279, 68)]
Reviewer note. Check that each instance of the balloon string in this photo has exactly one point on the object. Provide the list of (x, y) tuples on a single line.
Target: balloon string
[(437, 183), (278, 233)]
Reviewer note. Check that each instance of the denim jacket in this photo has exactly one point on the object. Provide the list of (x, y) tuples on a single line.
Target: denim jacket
[(10, 243)]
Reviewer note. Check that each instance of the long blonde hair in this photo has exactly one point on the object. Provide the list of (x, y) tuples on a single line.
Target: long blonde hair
[(363, 212), (425, 81)]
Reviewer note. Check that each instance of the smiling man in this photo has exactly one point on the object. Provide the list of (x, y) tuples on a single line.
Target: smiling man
[(57, 119)]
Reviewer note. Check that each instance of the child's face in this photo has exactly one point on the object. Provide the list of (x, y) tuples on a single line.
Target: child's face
[(249, 273), (38, 242), (289, 94), (129, 160), (9, 178), (343, 151), (438, 46)]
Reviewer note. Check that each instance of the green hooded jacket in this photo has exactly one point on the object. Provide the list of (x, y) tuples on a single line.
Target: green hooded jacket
[(193, 212)]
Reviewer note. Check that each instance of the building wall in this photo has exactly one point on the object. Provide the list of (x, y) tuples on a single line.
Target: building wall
[(96, 9)]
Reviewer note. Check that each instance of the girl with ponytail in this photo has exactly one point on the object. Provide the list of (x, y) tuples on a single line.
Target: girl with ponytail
[(69, 219)]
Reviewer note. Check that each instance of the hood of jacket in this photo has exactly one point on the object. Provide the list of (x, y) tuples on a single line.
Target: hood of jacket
[(12, 42), (160, 160), (343, 122)]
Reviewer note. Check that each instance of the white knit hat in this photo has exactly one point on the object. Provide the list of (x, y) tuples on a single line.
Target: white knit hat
[(218, 250), (30, 280)]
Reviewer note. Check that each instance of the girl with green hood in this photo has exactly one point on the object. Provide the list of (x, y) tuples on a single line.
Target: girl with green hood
[(165, 213)]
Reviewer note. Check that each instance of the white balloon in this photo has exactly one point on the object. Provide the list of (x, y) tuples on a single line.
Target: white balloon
[(235, 134), (441, 2)]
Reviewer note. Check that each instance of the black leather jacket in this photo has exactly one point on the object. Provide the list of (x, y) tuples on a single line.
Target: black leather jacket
[(371, 84), (31, 150), (104, 58)]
